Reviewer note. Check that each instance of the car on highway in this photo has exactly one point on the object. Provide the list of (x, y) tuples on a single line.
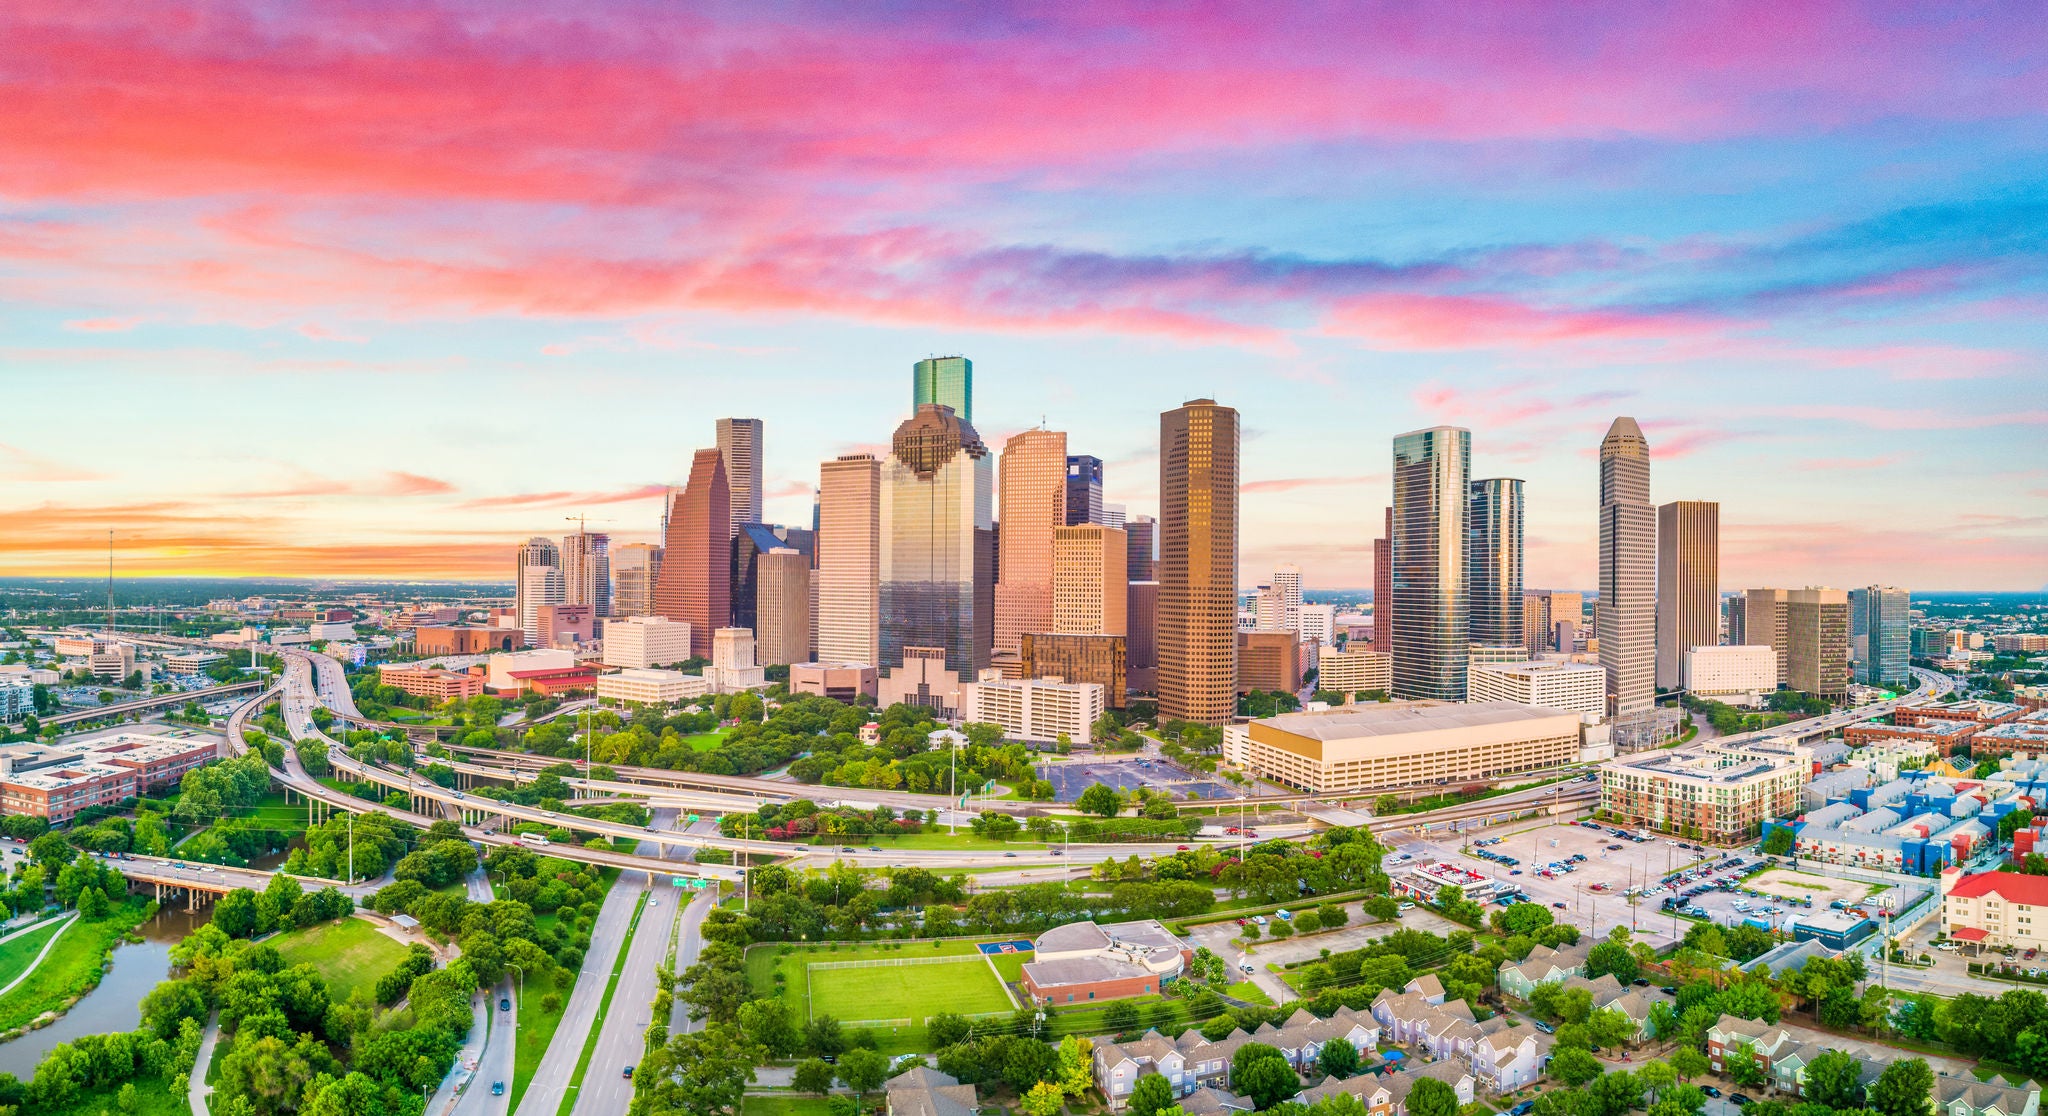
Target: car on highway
[(1055, 852), (1180, 848), (497, 1088), (846, 848), (1010, 854)]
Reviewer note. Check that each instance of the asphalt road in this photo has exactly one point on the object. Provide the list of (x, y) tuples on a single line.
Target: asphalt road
[(605, 1090), (494, 1062), (551, 1080)]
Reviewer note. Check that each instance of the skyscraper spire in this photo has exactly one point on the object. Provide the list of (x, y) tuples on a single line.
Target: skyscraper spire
[(1625, 617)]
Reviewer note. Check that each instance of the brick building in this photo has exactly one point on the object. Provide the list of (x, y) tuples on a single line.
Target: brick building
[(430, 682), (466, 640), (57, 781)]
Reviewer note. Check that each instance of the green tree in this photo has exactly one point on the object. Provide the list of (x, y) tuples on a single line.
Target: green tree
[(1099, 800), (767, 1022), (1688, 1063), (1339, 1059), (1152, 1093), (1741, 1065), (1043, 1099), (1830, 1079), (1431, 1097), (823, 1036), (1657, 1077), (812, 1075), (1573, 1066), (863, 1070), (1779, 842), (1905, 1088)]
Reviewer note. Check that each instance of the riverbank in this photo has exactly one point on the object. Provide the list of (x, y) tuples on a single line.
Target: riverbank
[(71, 970)]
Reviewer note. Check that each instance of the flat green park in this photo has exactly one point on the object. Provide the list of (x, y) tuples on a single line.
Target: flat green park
[(349, 953)]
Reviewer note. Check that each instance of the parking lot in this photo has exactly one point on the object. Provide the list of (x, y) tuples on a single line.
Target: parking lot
[(1070, 779)]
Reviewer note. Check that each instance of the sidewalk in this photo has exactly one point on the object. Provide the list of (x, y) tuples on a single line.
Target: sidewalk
[(198, 1090)]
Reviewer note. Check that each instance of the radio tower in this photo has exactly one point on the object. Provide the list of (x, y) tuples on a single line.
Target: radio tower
[(110, 586)]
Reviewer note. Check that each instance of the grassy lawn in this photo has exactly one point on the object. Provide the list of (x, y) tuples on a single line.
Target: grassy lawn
[(880, 992), (1011, 965), (153, 1097), (71, 968), (704, 741), (1248, 992), (18, 952), (349, 952), (794, 1105)]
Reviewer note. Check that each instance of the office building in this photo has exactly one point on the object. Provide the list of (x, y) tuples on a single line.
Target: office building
[(1688, 584), (1405, 743), (938, 541), (1732, 623), (1493, 557), (696, 566), (1431, 589), (739, 450), (1101, 659), (464, 639), (732, 666), (1383, 587), (752, 541), (1040, 709), (783, 612), (1737, 673), (641, 642), (651, 688), (1287, 584), (1817, 642), (1033, 478), (587, 571), (1141, 636), (1354, 672), (1577, 687), (430, 682), (1142, 531), (1318, 623), (1084, 490), (539, 582), (1090, 583), (849, 560), (946, 381), (1542, 611), (1268, 611), (636, 567), (1269, 661), (1625, 616), (1197, 621), (838, 681), (1879, 635), (1763, 624), (1114, 515), (567, 625), (547, 672), (1717, 793), (921, 678)]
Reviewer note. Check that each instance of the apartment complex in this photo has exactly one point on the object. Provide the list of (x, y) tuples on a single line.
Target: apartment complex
[(1993, 910), (1721, 794), (1363, 747), (1430, 605), (1576, 687), (56, 781)]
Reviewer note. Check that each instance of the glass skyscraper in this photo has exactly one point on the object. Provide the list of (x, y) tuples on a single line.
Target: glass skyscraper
[(947, 381), (1084, 489), (1879, 639), (938, 541), (1494, 558), (1431, 590)]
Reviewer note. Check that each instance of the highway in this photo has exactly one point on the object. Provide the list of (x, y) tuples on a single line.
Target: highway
[(622, 1037), (143, 705)]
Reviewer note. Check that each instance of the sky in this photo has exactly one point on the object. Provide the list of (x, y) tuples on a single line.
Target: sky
[(379, 289)]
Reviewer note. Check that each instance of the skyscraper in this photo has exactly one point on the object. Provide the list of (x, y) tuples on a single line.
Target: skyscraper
[(1197, 612), (947, 381), (539, 582), (587, 571), (938, 541), (1287, 583), (1542, 611), (1817, 642), (1141, 531), (1084, 490), (1494, 559), (696, 566), (1763, 624), (1383, 588), (752, 541), (1879, 636), (1431, 592), (636, 567), (1688, 584), (1034, 505), (850, 560), (782, 630), (1090, 581), (739, 447), (1625, 617)]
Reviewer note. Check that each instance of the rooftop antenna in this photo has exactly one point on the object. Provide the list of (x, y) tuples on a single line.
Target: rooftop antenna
[(110, 585)]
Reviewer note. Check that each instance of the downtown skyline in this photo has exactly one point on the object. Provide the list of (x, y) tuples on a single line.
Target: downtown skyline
[(361, 340)]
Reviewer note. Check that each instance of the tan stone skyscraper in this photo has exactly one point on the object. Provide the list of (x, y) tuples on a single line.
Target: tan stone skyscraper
[(1197, 627), (1032, 483), (783, 608), (696, 564), (849, 562), (1763, 624), (636, 567), (1090, 588), (1625, 616), (1688, 584)]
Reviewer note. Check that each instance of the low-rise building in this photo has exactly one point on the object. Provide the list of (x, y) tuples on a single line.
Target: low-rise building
[(1391, 744), (1035, 708), (1550, 684), (190, 662), (654, 688), (1198, 1069), (55, 781), (542, 671), (1269, 661), (431, 682), (1101, 659), (838, 681), (431, 640), (924, 681), (1083, 962), (1994, 910), (927, 1092), (1544, 965), (1354, 671), (1741, 673), (732, 666)]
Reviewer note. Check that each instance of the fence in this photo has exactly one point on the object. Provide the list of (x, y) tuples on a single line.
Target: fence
[(883, 962), (920, 1022)]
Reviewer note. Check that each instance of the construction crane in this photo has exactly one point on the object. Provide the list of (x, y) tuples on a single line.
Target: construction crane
[(581, 520)]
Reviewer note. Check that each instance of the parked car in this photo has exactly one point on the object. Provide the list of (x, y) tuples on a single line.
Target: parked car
[(1739, 1100), (1545, 1027), (504, 1003), (1710, 1090)]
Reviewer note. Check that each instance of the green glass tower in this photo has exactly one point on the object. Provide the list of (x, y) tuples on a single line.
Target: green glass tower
[(947, 381)]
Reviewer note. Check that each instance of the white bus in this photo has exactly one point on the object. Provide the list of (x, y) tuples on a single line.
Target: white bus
[(534, 839)]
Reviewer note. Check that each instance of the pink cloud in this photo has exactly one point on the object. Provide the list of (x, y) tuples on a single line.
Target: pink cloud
[(1290, 484), (565, 499), (29, 468), (104, 325)]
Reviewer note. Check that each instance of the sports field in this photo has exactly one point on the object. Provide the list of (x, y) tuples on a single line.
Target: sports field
[(951, 977)]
